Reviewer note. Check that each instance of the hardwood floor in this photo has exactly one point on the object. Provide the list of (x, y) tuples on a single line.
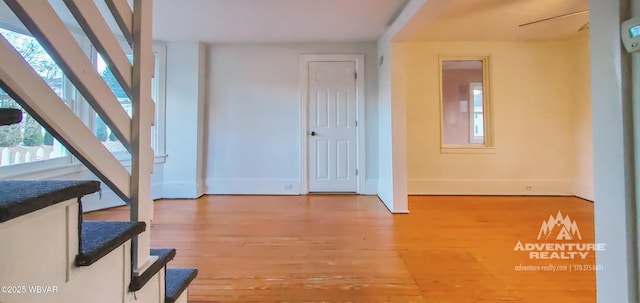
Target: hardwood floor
[(351, 249)]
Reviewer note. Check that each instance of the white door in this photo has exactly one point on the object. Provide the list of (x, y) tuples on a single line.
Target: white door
[(332, 127)]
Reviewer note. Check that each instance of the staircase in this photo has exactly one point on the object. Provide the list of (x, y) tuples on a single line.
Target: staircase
[(50, 254), (55, 256)]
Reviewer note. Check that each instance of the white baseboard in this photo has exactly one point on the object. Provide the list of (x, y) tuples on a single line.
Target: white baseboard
[(156, 191), (201, 188), (253, 186), (393, 211), (370, 187), (584, 190), (401, 212), (552, 187), (181, 190), (107, 198), (96, 202), (387, 204)]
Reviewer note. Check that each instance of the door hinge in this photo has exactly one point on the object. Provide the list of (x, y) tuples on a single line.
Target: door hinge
[(356, 172), (356, 123), (355, 75)]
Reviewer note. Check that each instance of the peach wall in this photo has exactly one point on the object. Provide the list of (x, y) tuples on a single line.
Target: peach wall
[(534, 98)]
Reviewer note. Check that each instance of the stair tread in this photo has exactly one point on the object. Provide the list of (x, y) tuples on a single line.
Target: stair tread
[(18, 198), (164, 256), (177, 280), (98, 238)]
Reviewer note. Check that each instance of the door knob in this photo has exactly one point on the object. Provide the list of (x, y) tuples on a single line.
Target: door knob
[(313, 134)]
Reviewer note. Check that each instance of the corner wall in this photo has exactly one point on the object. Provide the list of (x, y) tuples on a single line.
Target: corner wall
[(613, 149), (583, 123), (392, 109), (185, 125)]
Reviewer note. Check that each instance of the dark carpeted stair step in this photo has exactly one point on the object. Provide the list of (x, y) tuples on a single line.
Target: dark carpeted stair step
[(164, 256), (18, 198), (177, 280), (98, 238)]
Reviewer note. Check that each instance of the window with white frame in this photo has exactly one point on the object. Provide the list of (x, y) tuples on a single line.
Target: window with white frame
[(28, 146), (28, 141), (465, 104), (476, 119), (103, 132)]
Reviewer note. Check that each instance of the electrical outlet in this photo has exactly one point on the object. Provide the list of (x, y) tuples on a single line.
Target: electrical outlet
[(528, 187), (288, 186)]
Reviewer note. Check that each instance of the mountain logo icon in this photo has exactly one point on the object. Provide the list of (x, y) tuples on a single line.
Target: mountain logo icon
[(559, 228)]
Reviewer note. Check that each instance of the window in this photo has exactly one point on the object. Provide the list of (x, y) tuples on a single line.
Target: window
[(465, 103), (103, 132), (157, 94), (28, 141), (158, 86), (477, 113)]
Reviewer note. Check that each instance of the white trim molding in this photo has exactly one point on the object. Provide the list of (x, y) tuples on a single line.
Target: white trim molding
[(370, 187), (498, 187), (486, 84), (103, 200), (216, 186), (47, 169), (181, 190), (358, 59), (584, 190)]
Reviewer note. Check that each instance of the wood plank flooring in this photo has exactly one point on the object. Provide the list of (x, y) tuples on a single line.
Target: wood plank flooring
[(351, 249)]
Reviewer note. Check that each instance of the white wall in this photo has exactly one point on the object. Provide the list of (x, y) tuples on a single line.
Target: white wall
[(534, 98), (583, 120), (185, 123), (615, 216), (253, 140), (392, 128), (385, 143)]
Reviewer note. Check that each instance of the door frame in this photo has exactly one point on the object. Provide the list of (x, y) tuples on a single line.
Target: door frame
[(358, 59)]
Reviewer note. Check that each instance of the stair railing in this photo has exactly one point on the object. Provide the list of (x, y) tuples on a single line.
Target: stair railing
[(24, 85)]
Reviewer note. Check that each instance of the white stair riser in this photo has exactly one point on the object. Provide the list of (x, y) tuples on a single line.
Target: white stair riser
[(38, 254)]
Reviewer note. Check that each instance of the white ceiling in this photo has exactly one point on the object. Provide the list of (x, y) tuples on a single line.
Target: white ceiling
[(259, 21), (474, 20), (265, 21)]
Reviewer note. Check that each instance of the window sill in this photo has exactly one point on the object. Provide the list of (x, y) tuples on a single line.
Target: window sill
[(47, 172), (157, 159), (54, 171), (462, 149)]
